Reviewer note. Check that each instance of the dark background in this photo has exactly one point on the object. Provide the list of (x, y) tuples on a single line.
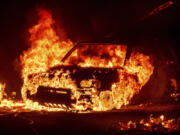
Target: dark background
[(107, 21)]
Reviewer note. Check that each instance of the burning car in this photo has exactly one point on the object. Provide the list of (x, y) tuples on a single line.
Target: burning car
[(99, 77), (82, 77)]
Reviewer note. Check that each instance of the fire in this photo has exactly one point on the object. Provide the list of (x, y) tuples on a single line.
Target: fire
[(135, 75), (106, 56), (47, 50), (10, 105)]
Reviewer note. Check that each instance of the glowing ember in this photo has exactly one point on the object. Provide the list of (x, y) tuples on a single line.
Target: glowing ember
[(2, 86), (47, 51), (160, 124)]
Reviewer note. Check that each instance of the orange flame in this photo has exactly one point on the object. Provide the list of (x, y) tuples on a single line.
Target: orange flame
[(46, 49), (106, 56)]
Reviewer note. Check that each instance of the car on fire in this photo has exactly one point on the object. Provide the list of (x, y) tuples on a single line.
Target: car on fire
[(99, 77)]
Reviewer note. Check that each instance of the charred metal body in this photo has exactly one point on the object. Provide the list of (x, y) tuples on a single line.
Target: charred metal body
[(101, 78)]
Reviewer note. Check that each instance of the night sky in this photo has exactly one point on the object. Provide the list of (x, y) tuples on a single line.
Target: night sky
[(107, 21)]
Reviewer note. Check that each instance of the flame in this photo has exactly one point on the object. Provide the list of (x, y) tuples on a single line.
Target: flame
[(106, 56), (10, 105), (47, 50), (135, 75)]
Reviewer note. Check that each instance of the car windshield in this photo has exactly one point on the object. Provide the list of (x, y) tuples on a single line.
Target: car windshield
[(97, 55)]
